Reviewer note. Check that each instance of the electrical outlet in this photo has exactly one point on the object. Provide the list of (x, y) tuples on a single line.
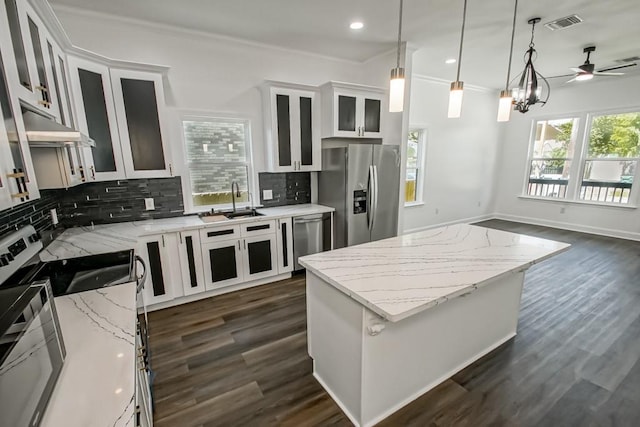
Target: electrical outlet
[(267, 194), (149, 205), (437, 211)]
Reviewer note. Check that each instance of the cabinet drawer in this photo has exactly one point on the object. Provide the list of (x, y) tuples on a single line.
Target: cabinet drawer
[(258, 228), (216, 234)]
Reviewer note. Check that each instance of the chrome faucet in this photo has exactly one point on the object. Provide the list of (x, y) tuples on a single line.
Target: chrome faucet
[(236, 194)]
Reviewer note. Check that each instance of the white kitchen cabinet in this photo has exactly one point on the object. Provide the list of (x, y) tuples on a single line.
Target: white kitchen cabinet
[(96, 117), (292, 127), (351, 111), (160, 254), (140, 111), (191, 266), (233, 254), (18, 183), (223, 263), (284, 240)]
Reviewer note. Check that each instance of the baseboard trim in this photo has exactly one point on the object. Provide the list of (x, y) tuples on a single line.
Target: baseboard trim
[(335, 398), (457, 221), (571, 227)]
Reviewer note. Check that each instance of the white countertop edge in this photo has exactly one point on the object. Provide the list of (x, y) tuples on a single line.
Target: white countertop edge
[(435, 302)]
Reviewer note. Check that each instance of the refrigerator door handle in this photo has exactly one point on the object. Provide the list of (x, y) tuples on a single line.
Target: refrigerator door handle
[(370, 200), (374, 204)]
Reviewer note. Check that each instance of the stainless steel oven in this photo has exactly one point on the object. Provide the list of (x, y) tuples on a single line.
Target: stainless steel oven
[(31, 352)]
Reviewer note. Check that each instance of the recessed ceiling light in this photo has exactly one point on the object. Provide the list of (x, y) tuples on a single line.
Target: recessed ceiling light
[(450, 61), (357, 25)]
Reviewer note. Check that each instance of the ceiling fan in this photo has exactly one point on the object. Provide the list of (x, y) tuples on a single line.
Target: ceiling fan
[(587, 70)]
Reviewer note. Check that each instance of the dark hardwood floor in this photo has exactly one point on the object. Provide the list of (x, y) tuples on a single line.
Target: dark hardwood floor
[(240, 359)]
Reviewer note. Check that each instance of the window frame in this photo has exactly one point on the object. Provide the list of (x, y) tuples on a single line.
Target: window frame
[(187, 186), (420, 166), (578, 166)]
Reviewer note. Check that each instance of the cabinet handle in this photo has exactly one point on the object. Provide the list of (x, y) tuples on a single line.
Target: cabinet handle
[(93, 173), (180, 234), (244, 242), (163, 241), (42, 88), (170, 169), (44, 103), (239, 245)]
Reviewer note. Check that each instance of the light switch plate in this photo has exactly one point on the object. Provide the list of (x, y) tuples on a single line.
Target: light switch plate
[(267, 194), (149, 204)]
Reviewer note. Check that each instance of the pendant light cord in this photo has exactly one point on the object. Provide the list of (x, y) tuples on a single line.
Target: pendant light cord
[(533, 29), (464, 18), (513, 32), (399, 36)]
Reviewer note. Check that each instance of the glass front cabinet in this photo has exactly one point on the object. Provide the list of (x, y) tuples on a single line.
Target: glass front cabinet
[(352, 111), (292, 127)]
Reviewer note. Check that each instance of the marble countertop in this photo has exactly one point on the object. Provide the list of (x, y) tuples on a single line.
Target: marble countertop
[(404, 275), (97, 384), (82, 241)]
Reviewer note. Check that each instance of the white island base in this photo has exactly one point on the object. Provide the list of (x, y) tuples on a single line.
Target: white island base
[(372, 367)]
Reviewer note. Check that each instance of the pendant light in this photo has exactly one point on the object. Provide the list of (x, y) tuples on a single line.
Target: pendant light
[(532, 85), (396, 85), (455, 95), (506, 100)]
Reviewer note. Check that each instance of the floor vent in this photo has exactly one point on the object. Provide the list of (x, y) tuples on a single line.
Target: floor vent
[(562, 23)]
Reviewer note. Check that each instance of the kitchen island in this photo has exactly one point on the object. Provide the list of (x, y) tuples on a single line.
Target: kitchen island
[(390, 320)]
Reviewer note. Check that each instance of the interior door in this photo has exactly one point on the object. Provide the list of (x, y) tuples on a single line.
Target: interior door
[(359, 157), (386, 160)]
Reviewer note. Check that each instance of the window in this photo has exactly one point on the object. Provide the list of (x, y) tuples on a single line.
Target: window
[(415, 166), (553, 149), (612, 158), (217, 154), (594, 163)]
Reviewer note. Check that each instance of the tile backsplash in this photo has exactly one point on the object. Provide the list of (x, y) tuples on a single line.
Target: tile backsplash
[(120, 201), (98, 203), (290, 188), (34, 213)]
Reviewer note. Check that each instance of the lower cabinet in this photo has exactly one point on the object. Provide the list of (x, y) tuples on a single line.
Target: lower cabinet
[(230, 262), (284, 238), (160, 254), (191, 267)]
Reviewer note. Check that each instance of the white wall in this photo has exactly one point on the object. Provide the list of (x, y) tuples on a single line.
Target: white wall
[(460, 155), (575, 99)]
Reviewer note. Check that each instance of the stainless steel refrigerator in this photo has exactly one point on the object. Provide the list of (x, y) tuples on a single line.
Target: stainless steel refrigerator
[(361, 181)]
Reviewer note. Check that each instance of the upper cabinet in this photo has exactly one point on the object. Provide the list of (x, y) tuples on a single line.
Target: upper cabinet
[(96, 116), (292, 127), (351, 111), (122, 111), (139, 104)]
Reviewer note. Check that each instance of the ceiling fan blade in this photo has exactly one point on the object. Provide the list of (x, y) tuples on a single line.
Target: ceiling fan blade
[(598, 73), (564, 75), (633, 64), (576, 70), (572, 80)]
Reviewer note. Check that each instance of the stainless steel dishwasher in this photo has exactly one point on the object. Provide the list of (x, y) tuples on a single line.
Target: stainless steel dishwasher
[(307, 236)]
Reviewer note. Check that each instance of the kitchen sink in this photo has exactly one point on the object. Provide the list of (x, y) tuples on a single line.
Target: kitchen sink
[(242, 214)]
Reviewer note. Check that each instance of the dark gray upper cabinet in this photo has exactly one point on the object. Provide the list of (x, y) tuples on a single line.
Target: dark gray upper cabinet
[(292, 127), (351, 111)]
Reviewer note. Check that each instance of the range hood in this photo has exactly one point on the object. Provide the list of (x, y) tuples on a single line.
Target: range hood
[(43, 132)]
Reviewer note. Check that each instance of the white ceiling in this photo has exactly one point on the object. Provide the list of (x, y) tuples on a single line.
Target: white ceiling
[(433, 26)]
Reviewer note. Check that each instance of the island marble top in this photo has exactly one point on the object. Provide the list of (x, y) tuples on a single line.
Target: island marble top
[(401, 276)]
